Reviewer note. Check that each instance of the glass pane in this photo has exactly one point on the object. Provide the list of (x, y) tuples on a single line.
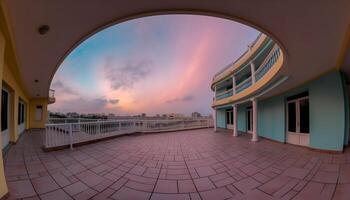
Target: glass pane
[(4, 110), (304, 116), (231, 117), (291, 117)]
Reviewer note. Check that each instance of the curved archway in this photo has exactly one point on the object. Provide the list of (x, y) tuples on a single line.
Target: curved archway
[(199, 19), (114, 22)]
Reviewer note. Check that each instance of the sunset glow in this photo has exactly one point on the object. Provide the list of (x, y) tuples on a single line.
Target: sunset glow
[(153, 65)]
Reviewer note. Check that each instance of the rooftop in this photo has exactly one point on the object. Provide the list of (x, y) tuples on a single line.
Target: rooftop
[(197, 164)]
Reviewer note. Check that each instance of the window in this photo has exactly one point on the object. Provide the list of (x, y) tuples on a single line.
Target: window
[(4, 110), (21, 112)]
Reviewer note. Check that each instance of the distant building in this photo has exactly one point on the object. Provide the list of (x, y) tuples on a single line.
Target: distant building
[(196, 115), (111, 116), (73, 115), (175, 116)]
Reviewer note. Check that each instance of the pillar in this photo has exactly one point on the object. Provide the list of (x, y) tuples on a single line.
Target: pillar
[(252, 69), (235, 121), (233, 85), (255, 137)]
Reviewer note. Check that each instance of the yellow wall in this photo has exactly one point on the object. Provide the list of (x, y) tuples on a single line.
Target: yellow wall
[(32, 106), (3, 185), (16, 92)]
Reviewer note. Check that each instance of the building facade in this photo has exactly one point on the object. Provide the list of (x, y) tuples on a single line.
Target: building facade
[(250, 98)]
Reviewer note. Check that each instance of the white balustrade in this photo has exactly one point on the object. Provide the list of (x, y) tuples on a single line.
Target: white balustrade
[(67, 134)]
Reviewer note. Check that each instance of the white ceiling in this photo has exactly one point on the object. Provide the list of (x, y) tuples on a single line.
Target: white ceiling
[(310, 32)]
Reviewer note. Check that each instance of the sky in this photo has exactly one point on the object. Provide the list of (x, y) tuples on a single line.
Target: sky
[(154, 65)]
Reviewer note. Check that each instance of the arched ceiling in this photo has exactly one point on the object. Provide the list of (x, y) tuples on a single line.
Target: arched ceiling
[(312, 33)]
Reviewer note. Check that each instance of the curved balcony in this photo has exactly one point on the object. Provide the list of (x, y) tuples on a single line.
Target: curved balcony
[(253, 70), (52, 98)]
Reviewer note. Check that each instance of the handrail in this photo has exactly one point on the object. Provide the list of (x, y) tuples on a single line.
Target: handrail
[(253, 59), (226, 91), (224, 94), (67, 134), (268, 62), (244, 84), (265, 66)]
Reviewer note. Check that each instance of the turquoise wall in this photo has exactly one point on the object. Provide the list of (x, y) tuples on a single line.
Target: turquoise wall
[(328, 107), (347, 111), (327, 104), (271, 118), (241, 118), (221, 118), (327, 112)]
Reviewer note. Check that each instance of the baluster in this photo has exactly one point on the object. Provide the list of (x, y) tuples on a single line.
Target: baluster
[(71, 136)]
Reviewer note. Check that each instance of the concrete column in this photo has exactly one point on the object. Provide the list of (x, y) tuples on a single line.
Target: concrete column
[(233, 85), (235, 121), (214, 118), (252, 69), (255, 137)]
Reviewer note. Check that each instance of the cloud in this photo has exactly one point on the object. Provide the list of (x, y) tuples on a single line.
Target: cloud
[(62, 88), (188, 98), (85, 105), (127, 74), (99, 102), (114, 101), (185, 98)]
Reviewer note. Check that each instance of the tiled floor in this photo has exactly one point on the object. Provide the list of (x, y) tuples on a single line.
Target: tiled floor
[(198, 164)]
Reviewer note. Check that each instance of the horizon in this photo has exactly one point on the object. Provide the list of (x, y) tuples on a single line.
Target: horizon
[(154, 65)]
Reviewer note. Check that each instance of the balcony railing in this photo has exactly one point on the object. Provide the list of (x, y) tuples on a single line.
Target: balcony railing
[(224, 94), (268, 62), (52, 98), (52, 93), (71, 120), (264, 67), (67, 134)]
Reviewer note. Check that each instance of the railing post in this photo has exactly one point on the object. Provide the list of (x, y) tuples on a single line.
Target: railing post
[(71, 136), (99, 127)]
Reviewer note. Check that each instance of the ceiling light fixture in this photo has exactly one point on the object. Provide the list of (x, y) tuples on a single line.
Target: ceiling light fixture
[(43, 29)]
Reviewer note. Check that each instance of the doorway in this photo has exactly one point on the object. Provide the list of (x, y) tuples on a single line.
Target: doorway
[(229, 119), (249, 114), (298, 122), (21, 117)]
